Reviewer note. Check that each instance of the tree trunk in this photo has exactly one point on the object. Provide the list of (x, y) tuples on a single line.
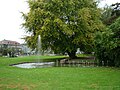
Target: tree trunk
[(72, 54)]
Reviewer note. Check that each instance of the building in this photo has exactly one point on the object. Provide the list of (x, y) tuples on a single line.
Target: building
[(8, 47), (9, 44)]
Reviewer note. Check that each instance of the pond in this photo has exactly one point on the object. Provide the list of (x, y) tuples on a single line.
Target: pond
[(35, 65)]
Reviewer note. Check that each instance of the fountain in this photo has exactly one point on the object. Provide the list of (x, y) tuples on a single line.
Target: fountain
[(39, 63), (39, 48)]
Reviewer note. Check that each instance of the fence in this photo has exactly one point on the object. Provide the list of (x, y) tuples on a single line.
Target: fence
[(76, 63)]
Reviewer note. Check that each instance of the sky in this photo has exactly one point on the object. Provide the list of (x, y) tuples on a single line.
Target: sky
[(108, 2), (11, 18)]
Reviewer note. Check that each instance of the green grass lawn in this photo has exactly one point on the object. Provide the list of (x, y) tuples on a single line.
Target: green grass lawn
[(56, 78)]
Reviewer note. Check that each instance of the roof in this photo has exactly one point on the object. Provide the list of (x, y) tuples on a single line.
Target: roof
[(9, 42)]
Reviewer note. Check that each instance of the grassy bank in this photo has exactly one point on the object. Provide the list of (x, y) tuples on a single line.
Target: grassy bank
[(56, 78)]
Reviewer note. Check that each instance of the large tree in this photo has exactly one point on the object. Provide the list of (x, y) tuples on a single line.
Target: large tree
[(64, 25)]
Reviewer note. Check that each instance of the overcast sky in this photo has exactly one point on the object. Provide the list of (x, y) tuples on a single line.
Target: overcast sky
[(10, 18)]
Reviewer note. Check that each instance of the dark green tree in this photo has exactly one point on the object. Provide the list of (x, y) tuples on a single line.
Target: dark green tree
[(108, 42), (108, 45), (64, 25)]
